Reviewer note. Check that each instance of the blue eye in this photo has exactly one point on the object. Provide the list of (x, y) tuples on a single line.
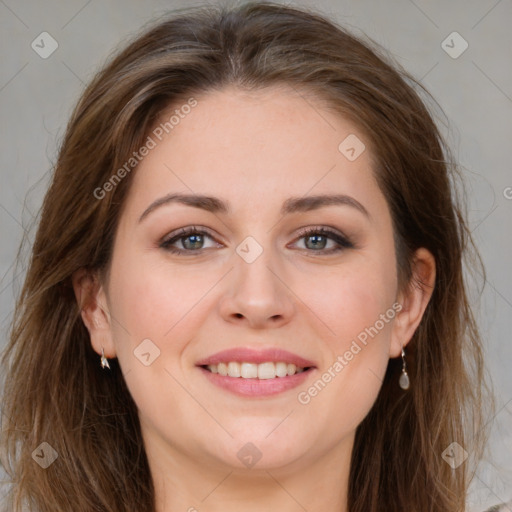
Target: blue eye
[(318, 237), (192, 240)]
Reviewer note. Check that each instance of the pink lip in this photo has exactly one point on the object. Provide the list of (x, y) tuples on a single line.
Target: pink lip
[(256, 387), (249, 355)]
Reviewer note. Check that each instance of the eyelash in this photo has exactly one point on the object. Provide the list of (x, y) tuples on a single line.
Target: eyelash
[(343, 242)]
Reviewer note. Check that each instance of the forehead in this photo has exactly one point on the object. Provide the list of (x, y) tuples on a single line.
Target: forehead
[(255, 147)]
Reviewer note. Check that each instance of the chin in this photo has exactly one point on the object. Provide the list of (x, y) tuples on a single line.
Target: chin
[(263, 448)]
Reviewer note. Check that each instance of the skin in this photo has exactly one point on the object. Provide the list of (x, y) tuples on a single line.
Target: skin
[(254, 150)]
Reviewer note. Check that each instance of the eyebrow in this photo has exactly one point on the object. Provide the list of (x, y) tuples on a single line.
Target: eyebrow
[(291, 205)]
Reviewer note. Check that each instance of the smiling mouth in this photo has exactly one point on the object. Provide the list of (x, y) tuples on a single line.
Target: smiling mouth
[(262, 371)]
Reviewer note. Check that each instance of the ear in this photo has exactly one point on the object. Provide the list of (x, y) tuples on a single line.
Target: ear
[(414, 300), (92, 300)]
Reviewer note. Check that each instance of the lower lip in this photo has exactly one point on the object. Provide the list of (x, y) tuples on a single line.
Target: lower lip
[(257, 387)]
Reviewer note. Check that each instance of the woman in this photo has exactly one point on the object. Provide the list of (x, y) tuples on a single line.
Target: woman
[(246, 287)]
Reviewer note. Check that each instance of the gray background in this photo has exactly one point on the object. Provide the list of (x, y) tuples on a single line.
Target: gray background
[(474, 90)]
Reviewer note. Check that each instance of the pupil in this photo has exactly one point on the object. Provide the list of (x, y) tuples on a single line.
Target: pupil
[(316, 238), (197, 239)]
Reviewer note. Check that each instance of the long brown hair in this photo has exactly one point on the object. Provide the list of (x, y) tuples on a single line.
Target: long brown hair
[(55, 390)]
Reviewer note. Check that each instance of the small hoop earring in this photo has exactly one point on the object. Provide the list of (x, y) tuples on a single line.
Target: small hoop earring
[(404, 381), (104, 360)]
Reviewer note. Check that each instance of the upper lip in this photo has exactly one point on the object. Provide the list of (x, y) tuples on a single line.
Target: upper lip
[(250, 355)]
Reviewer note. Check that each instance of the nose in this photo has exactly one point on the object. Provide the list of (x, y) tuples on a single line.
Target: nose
[(257, 293)]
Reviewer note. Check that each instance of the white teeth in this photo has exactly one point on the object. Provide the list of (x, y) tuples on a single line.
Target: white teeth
[(249, 371), (269, 370), (291, 368), (234, 369), (266, 371), (281, 369), (222, 369)]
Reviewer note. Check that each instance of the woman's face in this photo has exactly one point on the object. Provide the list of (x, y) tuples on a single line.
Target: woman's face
[(247, 279)]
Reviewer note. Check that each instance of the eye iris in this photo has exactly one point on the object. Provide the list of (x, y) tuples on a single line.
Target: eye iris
[(316, 238), (197, 241)]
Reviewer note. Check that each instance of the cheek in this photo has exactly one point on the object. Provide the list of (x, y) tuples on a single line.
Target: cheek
[(348, 299), (150, 298), (358, 309), (356, 304), (153, 316)]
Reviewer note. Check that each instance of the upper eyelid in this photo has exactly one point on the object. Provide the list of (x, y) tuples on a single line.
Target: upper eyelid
[(187, 231), (199, 229)]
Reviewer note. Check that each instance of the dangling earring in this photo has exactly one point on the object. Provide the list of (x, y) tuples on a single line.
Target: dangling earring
[(104, 360), (404, 378)]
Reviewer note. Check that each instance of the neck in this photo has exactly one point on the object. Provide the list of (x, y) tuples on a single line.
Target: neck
[(192, 484)]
